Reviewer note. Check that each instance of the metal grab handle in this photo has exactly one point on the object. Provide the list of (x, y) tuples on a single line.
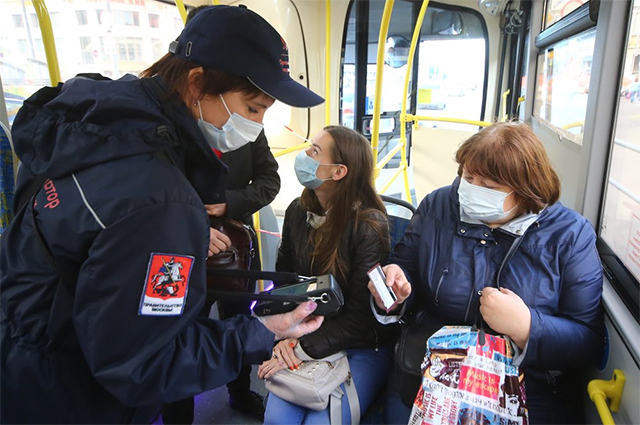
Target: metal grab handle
[(599, 390)]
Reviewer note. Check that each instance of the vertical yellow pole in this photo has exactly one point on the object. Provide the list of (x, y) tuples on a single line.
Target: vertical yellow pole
[(377, 99), (48, 41), (403, 113), (182, 10), (215, 2), (256, 225), (327, 65), (503, 117)]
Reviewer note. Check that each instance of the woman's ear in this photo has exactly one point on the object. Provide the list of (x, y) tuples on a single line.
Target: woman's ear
[(194, 81), (340, 172)]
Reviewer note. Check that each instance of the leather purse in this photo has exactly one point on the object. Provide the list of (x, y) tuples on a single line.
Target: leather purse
[(410, 351), (237, 257)]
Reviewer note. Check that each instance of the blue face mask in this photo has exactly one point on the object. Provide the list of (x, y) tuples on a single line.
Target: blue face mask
[(306, 168), (482, 203)]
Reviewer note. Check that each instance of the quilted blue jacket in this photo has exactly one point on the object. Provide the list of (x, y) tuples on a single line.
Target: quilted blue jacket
[(556, 270)]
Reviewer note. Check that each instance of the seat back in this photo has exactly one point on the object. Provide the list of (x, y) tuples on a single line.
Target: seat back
[(400, 213)]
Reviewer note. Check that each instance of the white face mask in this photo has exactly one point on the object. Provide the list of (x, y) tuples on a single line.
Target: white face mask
[(482, 203), (235, 133)]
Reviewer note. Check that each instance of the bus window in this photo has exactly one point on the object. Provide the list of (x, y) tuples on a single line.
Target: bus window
[(558, 9), (109, 38), (562, 85), (620, 219), (451, 66)]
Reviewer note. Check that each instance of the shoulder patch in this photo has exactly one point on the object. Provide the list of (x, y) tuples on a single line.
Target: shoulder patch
[(166, 285)]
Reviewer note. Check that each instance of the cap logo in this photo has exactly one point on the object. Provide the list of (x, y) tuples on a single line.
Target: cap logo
[(284, 57)]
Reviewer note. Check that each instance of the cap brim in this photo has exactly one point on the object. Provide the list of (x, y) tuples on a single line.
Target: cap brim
[(289, 92)]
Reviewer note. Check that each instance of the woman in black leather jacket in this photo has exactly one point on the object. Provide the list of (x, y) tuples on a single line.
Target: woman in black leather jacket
[(337, 226)]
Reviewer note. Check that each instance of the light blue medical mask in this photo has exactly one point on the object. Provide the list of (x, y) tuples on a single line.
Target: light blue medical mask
[(239, 130), (306, 168), (482, 203), (235, 133), (213, 135)]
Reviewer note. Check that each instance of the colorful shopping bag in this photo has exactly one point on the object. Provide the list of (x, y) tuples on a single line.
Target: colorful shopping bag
[(468, 382)]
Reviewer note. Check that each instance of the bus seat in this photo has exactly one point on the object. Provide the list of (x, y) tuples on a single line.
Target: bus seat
[(400, 213)]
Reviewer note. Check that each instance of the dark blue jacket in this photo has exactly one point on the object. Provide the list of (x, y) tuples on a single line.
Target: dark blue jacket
[(556, 270), (115, 213)]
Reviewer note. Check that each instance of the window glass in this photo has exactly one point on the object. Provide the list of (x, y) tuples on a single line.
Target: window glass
[(558, 9), (81, 16), (620, 224), (450, 79), (87, 40), (562, 85)]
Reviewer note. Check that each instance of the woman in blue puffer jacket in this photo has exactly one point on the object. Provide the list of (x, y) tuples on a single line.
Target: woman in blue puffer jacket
[(549, 297)]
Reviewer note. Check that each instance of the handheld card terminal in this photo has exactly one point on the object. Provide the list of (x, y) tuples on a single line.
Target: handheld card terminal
[(324, 290)]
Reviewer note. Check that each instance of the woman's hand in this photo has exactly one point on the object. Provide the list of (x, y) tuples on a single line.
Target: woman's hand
[(218, 242), (269, 367), (398, 283), (216, 210), (284, 351), (506, 313), (294, 323)]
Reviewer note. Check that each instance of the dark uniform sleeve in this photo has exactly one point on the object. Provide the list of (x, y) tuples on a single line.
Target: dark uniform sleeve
[(264, 184), (143, 359), (347, 328)]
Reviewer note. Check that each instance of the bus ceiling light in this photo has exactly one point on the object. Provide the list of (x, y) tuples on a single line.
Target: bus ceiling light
[(491, 7)]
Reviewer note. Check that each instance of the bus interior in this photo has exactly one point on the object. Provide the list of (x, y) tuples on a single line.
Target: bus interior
[(417, 78)]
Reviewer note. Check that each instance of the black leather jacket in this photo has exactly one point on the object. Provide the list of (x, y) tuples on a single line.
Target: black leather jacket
[(355, 326)]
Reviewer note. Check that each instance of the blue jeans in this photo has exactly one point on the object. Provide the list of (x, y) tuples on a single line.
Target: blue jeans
[(369, 373)]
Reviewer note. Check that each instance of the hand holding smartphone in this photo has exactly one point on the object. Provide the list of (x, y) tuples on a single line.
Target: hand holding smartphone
[(379, 280)]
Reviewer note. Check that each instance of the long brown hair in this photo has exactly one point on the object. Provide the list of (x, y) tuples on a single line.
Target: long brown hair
[(510, 153), (174, 71), (353, 200)]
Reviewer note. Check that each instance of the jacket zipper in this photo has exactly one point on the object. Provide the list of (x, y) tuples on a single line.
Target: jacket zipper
[(444, 273)]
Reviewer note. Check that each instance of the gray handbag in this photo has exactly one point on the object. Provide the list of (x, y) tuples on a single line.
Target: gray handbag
[(316, 384)]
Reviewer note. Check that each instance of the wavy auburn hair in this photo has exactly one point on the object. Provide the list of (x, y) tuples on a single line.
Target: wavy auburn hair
[(511, 154), (353, 200)]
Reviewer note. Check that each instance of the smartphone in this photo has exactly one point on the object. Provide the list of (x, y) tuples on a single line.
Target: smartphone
[(379, 280)]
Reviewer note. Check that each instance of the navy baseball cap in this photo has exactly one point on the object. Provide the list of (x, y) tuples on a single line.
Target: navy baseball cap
[(237, 40)]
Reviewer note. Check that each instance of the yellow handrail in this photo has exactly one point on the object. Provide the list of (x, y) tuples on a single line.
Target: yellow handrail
[(327, 65), (503, 107), (405, 92), (599, 390), (377, 97), (48, 41), (182, 10), (256, 226), (417, 118), (292, 149)]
